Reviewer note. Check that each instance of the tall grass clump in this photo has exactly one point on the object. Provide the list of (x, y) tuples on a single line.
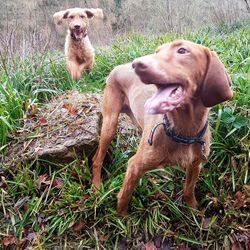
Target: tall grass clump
[(71, 216)]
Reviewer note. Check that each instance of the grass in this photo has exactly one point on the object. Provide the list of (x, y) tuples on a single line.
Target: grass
[(44, 205)]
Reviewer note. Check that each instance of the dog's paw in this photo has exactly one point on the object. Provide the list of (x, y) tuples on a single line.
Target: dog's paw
[(122, 212), (96, 186), (122, 209), (191, 201)]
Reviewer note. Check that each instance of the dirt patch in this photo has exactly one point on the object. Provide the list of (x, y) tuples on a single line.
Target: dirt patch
[(63, 129)]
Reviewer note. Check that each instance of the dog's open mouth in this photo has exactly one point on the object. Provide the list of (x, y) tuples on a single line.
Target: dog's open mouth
[(165, 99), (79, 33)]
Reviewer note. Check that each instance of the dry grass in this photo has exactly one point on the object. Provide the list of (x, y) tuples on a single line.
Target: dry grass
[(27, 25)]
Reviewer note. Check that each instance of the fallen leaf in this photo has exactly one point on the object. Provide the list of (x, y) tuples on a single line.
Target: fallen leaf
[(79, 226), (57, 183), (43, 120), (42, 180), (74, 173), (103, 238), (9, 240), (150, 246), (239, 199), (234, 164), (71, 108)]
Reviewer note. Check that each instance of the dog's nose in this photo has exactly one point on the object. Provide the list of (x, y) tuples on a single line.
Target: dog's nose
[(139, 65), (77, 26)]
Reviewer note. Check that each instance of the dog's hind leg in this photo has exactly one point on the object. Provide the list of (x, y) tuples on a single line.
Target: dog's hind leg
[(112, 105)]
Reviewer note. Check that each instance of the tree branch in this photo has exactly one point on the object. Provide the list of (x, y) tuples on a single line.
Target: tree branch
[(247, 5)]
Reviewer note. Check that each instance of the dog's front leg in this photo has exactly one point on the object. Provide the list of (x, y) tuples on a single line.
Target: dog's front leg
[(192, 173), (86, 67), (74, 70), (134, 171)]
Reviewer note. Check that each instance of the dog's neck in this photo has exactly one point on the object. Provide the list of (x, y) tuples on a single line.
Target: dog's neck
[(189, 119)]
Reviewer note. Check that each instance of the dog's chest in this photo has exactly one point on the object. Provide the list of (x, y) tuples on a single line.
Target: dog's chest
[(81, 52), (166, 151), (180, 154)]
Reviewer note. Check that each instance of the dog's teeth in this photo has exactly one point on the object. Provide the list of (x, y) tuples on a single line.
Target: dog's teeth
[(179, 90), (173, 94)]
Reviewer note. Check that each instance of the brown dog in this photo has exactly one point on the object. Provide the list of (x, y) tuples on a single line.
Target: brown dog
[(180, 80), (78, 49)]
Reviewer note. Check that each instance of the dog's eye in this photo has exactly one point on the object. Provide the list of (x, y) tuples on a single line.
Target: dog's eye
[(71, 17), (81, 16), (181, 51)]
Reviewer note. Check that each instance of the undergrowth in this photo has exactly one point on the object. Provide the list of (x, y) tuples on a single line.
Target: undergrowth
[(54, 205)]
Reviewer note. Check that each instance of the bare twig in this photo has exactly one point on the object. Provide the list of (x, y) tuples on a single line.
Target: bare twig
[(247, 6)]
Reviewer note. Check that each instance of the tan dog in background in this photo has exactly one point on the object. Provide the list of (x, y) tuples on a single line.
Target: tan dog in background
[(78, 49), (181, 80)]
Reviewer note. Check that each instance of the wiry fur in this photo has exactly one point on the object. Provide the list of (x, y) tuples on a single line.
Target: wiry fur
[(78, 49)]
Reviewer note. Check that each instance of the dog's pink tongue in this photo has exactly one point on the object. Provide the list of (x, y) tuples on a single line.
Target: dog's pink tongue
[(160, 102), (78, 33)]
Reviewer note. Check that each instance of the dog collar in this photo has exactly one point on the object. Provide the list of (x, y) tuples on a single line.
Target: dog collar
[(177, 137)]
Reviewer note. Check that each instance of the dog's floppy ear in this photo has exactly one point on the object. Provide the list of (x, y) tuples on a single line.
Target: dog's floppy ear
[(59, 16), (216, 84), (94, 13)]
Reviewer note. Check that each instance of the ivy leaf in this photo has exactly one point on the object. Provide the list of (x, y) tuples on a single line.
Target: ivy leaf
[(227, 116), (240, 121)]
